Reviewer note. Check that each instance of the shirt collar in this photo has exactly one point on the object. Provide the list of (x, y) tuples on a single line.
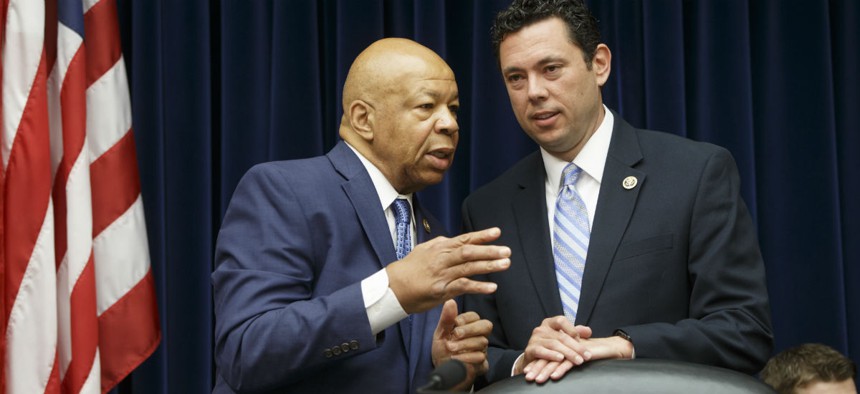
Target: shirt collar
[(387, 194), (591, 159)]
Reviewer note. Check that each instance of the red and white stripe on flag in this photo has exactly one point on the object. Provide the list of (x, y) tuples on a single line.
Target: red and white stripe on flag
[(78, 300)]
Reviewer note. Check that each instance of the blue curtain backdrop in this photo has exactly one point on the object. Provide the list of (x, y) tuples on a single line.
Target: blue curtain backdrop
[(218, 86)]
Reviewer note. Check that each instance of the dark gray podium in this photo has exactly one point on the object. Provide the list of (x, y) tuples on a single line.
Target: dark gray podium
[(638, 376)]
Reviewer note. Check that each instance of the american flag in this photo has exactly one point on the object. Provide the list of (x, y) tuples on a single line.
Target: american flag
[(77, 294)]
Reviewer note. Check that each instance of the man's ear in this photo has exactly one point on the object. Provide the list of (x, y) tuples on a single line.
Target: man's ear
[(361, 119), (601, 63)]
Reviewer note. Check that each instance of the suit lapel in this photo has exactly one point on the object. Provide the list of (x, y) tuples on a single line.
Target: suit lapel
[(426, 226), (614, 210), (416, 336), (529, 207), (362, 194)]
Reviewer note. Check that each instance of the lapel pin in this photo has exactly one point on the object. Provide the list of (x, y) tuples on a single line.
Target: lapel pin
[(426, 226), (629, 182)]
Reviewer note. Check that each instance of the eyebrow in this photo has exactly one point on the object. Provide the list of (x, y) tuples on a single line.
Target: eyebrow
[(434, 94), (542, 62)]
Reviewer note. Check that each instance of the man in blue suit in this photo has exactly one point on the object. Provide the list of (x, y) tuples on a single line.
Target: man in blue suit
[(646, 251), (315, 289)]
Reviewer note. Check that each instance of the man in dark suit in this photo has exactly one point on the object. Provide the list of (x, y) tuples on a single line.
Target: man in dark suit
[(648, 249), (315, 287)]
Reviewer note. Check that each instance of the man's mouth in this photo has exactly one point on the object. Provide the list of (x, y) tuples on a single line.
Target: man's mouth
[(544, 118), (441, 157)]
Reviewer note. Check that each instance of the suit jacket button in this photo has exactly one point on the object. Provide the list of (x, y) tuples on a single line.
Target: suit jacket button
[(344, 346), (353, 344), (327, 353), (335, 350)]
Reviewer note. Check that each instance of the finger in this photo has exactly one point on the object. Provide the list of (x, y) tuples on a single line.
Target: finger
[(561, 323), (467, 269), (533, 368), (447, 320), (544, 373), (574, 349), (541, 352), (571, 338), (468, 286), (467, 253), (479, 237), (584, 331), (562, 369), (471, 344), (571, 348), (471, 357), (555, 346), (479, 328), (467, 318)]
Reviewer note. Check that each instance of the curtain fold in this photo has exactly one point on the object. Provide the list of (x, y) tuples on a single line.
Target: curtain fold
[(844, 31), (220, 86), (719, 66), (797, 187), (172, 104)]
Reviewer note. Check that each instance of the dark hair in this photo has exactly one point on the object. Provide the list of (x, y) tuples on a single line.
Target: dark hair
[(805, 364), (581, 25)]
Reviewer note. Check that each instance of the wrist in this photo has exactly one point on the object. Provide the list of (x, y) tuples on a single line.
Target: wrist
[(627, 342)]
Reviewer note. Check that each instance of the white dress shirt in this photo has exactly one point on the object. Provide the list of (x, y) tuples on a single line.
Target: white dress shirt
[(383, 308), (591, 159)]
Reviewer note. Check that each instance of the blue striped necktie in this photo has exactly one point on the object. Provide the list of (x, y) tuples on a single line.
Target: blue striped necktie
[(402, 222), (570, 237)]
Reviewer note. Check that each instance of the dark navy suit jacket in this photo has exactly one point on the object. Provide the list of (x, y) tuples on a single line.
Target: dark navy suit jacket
[(674, 261), (295, 243)]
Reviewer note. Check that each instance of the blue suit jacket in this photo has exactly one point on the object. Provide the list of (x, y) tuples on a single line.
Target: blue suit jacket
[(674, 261), (295, 243)]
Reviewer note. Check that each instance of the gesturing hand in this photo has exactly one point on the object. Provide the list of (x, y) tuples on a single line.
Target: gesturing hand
[(439, 269), (463, 337)]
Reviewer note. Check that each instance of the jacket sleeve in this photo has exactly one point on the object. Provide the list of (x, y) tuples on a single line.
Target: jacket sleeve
[(270, 326), (729, 317)]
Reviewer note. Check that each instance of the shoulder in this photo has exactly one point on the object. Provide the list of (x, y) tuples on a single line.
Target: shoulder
[(301, 170), (667, 149), (277, 179), (656, 139), (627, 139), (674, 160), (526, 171)]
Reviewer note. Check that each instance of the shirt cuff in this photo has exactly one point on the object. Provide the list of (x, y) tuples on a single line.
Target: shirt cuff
[(383, 308), (514, 367)]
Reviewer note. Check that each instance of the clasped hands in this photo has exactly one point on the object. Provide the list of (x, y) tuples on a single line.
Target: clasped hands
[(556, 346)]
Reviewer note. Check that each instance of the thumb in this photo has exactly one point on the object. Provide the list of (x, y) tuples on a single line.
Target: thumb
[(447, 320), (584, 331)]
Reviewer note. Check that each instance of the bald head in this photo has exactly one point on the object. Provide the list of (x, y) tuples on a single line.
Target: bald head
[(381, 69), (400, 103)]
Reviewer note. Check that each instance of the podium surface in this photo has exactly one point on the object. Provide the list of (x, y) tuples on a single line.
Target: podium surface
[(638, 376)]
